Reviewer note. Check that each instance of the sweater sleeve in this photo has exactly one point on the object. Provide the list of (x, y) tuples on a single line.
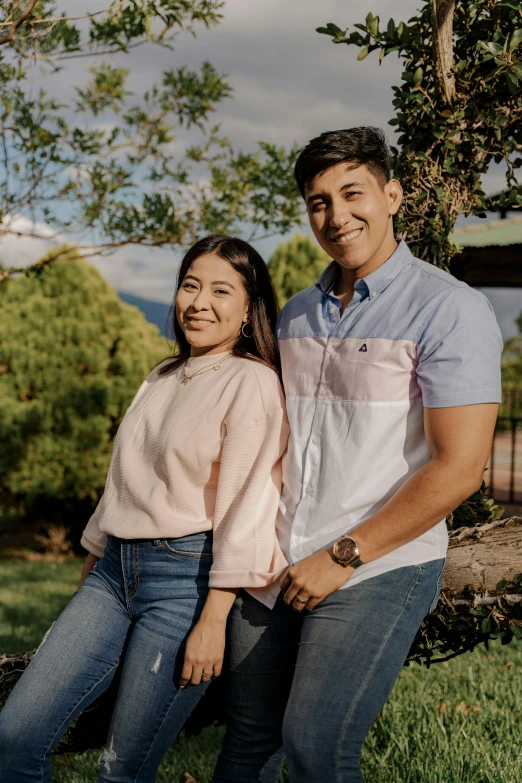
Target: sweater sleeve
[(246, 551), (93, 540)]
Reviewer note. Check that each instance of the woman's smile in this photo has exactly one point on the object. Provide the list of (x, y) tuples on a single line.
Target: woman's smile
[(194, 322)]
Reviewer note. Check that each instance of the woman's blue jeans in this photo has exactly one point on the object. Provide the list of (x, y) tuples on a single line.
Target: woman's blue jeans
[(347, 654), (138, 607)]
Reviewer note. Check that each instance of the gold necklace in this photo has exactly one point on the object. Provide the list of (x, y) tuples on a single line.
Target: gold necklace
[(215, 366)]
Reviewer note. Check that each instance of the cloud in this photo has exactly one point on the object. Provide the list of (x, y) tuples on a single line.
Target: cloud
[(146, 272), (21, 251)]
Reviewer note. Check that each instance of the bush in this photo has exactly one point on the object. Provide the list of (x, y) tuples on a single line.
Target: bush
[(72, 355), (296, 264)]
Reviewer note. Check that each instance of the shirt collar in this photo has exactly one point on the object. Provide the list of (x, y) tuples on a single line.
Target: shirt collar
[(376, 281)]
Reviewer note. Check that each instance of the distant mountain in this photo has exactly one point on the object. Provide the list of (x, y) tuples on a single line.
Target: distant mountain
[(155, 312)]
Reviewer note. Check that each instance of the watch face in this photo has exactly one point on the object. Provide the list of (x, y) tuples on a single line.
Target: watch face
[(346, 549)]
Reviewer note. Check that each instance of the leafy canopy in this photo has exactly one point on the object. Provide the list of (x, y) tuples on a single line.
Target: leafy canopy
[(458, 109), (35, 29), (104, 169)]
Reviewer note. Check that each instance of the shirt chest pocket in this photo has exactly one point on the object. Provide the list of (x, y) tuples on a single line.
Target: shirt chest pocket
[(372, 370)]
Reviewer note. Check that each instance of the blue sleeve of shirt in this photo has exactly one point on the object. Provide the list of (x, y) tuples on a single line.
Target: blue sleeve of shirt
[(459, 352)]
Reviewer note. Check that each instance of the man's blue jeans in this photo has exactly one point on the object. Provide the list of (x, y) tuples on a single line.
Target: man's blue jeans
[(350, 652), (138, 606)]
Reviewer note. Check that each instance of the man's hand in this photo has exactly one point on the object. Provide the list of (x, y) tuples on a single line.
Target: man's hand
[(313, 579)]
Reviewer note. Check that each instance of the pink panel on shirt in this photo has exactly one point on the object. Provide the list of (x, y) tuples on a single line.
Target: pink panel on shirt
[(384, 372)]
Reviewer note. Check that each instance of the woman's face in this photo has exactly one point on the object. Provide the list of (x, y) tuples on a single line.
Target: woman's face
[(211, 305)]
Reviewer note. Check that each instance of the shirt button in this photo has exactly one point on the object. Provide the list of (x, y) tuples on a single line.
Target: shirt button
[(331, 309), (315, 440), (374, 294), (308, 490), (329, 349)]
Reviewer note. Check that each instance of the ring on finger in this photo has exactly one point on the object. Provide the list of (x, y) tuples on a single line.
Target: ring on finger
[(300, 600), (207, 674)]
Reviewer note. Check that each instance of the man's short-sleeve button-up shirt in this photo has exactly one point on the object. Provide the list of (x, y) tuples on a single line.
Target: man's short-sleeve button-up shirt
[(412, 337)]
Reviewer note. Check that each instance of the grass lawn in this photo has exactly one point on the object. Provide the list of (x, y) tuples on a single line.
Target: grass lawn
[(458, 722)]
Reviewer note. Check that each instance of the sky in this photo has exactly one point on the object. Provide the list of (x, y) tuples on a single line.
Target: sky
[(290, 84)]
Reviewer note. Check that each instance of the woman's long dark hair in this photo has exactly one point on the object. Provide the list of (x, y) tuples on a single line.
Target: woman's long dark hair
[(262, 302)]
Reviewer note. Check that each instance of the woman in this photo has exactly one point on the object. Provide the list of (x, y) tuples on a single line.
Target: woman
[(187, 518)]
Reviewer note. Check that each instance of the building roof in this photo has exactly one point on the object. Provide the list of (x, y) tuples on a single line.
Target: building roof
[(490, 233)]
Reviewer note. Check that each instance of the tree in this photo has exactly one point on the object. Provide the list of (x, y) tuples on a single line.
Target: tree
[(103, 170), (458, 110), (296, 264), (72, 356)]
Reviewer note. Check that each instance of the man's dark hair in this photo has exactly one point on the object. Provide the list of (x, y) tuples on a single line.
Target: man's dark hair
[(353, 145)]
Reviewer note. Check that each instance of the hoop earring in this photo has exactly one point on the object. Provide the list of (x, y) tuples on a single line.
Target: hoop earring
[(247, 336)]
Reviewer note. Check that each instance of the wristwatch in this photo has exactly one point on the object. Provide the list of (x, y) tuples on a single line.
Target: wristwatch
[(346, 552)]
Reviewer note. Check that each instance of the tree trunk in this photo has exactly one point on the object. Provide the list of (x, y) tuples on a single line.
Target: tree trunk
[(483, 560), (443, 11)]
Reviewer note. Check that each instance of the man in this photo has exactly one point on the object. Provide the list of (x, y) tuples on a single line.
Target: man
[(392, 374)]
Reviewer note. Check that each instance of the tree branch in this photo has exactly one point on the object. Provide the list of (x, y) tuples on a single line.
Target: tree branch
[(48, 20), (16, 24)]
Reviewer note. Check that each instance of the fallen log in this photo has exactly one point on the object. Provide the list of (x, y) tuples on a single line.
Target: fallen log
[(481, 596), (481, 557)]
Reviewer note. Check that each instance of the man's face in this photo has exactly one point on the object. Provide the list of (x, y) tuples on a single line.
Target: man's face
[(350, 213)]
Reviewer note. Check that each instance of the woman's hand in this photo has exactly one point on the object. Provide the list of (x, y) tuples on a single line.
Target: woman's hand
[(206, 644), (87, 567), (204, 652)]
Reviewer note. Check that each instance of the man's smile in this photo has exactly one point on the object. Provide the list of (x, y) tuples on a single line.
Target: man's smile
[(344, 239)]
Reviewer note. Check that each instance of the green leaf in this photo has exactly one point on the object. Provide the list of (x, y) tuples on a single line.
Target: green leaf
[(363, 53), (391, 29), (512, 80), (490, 46), (515, 39), (485, 625), (374, 26), (501, 584), (334, 30), (417, 76), (516, 631), (480, 611)]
